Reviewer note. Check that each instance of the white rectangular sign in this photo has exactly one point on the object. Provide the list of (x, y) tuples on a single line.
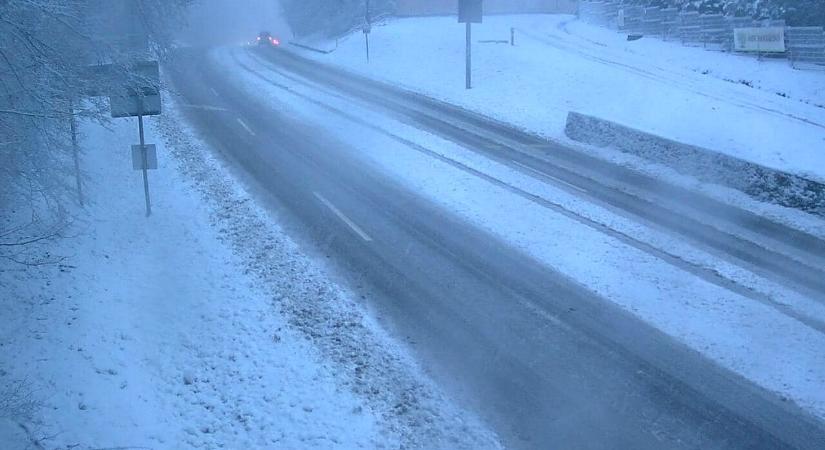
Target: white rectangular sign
[(135, 105), (762, 40), (151, 157)]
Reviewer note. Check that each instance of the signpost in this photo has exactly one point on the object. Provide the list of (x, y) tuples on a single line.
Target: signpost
[(469, 12), (144, 157), (367, 29), (140, 96), (133, 86)]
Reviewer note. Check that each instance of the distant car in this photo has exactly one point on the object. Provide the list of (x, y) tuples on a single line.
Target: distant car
[(265, 39)]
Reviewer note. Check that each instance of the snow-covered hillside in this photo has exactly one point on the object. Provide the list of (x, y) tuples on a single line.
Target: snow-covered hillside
[(762, 111)]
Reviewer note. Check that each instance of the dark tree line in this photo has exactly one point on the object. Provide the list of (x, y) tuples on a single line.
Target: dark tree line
[(795, 12)]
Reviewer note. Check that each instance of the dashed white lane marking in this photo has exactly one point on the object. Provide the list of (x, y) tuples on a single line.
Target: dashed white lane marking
[(343, 218), (214, 92), (549, 176), (246, 127)]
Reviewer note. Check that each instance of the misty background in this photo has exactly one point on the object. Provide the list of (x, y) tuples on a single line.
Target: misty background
[(227, 22)]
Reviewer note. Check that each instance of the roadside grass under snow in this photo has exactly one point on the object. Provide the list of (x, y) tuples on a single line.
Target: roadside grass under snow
[(761, 111)]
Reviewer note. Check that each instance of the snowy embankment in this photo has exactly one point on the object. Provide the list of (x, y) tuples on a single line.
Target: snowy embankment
[(761, 111), (203, 326), (767, 341), (149, 334)]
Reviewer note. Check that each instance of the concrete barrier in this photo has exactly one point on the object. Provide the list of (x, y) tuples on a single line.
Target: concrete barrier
[(760, 182)]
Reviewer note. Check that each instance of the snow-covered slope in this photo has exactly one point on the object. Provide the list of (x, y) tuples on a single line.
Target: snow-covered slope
[(762, 111), (149, 335), (176, 331)]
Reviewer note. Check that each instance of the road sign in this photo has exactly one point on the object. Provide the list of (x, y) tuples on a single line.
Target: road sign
[(133, 104), (138, 92), (469, 11), (151, 157), (761, 39)]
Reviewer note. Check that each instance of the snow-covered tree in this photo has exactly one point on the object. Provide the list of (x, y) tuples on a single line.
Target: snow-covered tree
[(795, 12), (45, 47), (801, 12)]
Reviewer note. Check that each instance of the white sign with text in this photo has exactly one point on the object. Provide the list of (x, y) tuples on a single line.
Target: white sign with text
[(762, 40)]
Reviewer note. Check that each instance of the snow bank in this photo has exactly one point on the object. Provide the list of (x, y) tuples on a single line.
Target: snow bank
[(760, 111), (149, 334), (368, 361), (13, 436)]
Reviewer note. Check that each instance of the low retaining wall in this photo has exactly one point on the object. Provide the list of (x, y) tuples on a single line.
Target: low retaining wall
[(759, 182)]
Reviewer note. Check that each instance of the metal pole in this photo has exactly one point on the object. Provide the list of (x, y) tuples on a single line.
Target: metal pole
[(469, 57), (75, 153), (145, 165), (512, 36), (367, 29)]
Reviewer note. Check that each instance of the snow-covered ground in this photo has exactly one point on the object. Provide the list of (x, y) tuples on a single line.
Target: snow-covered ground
[(766, 341), (762, 111), (150, 336), (180, 330)]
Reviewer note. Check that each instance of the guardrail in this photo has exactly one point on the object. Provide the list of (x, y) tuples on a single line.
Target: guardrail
[(805, 46)]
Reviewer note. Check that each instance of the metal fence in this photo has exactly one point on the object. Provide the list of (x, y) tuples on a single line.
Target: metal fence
[(805, 46)]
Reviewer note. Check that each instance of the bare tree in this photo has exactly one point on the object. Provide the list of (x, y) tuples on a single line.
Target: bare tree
[(46, 48)]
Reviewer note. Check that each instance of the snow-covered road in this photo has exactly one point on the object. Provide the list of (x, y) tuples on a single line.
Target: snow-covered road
[(454, 247), (335, 262)]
